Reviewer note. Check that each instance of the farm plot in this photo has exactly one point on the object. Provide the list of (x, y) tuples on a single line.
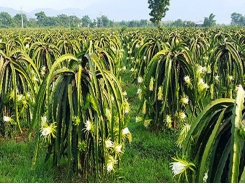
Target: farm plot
[(76, 94)]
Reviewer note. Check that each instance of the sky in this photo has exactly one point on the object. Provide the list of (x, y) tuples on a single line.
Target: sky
[(193, 10)]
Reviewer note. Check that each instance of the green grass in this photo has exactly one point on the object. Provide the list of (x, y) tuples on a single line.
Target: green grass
[(147, 158), (15, 164)]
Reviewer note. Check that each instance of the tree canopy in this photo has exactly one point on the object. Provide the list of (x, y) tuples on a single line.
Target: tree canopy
[(65, 21), (5, 20), (209, 21), (72, 21), (158, 10), (237, 19)]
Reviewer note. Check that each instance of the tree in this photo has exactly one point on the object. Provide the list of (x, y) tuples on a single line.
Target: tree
[(74, 21), (237, 19), (158, 10), (123, 23), (50, 22), (86, 21), (17, 20), (143, 22), (132, 23), (94, 23), (189, 23), (112, 23), (5, 20), (209, 21), (63, 20), (178, 23), (103, 21), (41, 17), (32, 22)]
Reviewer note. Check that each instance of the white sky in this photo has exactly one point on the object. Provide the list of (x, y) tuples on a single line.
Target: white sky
[(194, 10), (29, 5)]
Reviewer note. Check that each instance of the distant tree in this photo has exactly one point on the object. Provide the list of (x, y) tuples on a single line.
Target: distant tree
[(178, 23), (237, 19), (74, 21), (50, 22), (158, 10), (99, 22), (32, 22), (5, 20), (86, 21), (143, 23), (63, 20), (103, 21), (18, 22), (189, 23), (94, 23), (41, 18), (209, 21), (132, 24), (123, 23)]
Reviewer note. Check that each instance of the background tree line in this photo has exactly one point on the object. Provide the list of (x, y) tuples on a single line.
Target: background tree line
[(42, 20), (237, 19), (64, 21)]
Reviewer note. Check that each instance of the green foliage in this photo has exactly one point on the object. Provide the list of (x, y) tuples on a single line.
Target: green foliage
[(237, 19), (88, 109), (76, 104), (158, 10), (65, 87), (143, 160), (16, 87), (174, 64), (214, 142), (6, 20), (209, 21)]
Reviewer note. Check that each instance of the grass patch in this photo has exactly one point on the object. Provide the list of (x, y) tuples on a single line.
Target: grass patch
[(147, 158), (16, 161), (16, 165)]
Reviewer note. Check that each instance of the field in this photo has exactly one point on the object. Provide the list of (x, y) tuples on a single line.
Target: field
[(122, 105)]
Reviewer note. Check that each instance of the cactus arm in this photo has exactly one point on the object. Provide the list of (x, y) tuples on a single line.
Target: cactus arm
[(209, 145), (209, 109), (236, 138), (222, 163)]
